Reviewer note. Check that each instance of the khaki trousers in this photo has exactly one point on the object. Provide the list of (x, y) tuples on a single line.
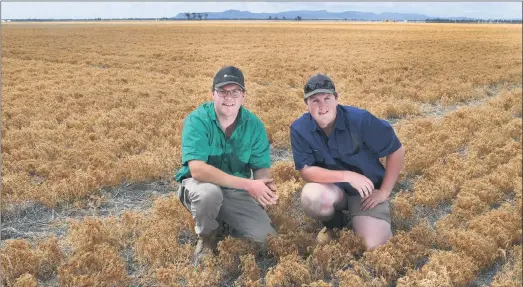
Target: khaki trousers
[(211, 204)]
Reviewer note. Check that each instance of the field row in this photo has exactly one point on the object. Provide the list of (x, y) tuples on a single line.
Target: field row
[(484, 190), (84, 106)]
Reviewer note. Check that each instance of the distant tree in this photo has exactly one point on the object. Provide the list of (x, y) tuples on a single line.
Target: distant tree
[(188, 15), (194, 15), (200, 16), (298, 18), (283, 17), (206, 15), (270, 17)]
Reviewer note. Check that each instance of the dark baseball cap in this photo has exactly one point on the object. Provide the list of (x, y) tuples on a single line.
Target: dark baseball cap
[(228, 75), (319, 83)]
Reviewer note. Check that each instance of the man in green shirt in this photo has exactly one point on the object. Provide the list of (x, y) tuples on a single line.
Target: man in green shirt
[(222, 142)]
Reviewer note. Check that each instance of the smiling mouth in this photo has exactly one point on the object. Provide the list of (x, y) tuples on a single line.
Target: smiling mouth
[(321, 114), (228, 105)]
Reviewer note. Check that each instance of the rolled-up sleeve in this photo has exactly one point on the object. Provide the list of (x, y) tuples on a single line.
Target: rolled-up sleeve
[(379, 136), (301, 151), (195, 141)]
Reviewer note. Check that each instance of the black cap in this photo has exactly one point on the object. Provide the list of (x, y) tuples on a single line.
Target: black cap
[(319, 83), (228, 75)]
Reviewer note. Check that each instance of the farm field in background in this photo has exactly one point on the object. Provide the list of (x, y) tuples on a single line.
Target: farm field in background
[(90, 106)]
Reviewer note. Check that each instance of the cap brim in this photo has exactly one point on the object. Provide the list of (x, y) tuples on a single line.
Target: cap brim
[(319, 91), (219, 85)]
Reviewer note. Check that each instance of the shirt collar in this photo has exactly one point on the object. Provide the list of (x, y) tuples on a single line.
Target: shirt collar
[(339, 121), (314, 125)]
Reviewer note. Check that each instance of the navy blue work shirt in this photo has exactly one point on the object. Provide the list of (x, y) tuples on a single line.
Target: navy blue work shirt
[(356, 143)]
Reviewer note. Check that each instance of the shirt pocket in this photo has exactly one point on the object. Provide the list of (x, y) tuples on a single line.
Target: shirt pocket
[(348, 150)]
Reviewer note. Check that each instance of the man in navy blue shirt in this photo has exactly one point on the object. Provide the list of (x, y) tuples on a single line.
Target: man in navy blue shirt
[(337, 150)]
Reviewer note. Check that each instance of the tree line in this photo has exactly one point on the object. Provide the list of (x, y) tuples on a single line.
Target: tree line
[(199, 16), (297, 18), (440, 20), (193, 16)]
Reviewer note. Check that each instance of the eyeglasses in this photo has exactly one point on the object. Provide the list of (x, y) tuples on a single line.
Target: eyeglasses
[(235, 93), (325, 85)]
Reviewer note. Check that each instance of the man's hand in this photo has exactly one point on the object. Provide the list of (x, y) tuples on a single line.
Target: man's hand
[(360, 182), (377, 197), (270, 184), (260, 190)]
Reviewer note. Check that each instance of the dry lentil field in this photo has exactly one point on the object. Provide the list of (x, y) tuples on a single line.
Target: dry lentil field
[(92, 113)]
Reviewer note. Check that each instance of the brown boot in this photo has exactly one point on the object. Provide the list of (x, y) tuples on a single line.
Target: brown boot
[(204, 247), (325, 236)]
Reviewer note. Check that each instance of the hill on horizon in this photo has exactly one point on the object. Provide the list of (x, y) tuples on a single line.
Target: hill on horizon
[(319, 15)]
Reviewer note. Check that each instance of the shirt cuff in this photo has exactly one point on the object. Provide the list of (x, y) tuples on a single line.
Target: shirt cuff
[(392, 148), (194, 156)]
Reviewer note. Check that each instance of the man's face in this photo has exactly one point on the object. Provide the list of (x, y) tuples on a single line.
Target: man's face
[(228, 100), (322, 108)]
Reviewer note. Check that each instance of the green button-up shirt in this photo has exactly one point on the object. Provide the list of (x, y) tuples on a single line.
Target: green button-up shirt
[(203, 139)]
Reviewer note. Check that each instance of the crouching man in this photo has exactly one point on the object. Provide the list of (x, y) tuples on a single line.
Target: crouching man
[(337, 150), (222, 143)]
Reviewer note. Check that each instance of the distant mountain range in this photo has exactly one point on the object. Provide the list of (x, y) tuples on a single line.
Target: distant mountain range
[(289, 15), (318, 15)]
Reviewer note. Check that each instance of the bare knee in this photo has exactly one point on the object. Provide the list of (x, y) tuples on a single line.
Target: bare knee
[(311, 191), (316, 200), (371, 242), (374, 231)]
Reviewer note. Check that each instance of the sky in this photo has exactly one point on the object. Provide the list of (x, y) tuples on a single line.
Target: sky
[(83, 10)]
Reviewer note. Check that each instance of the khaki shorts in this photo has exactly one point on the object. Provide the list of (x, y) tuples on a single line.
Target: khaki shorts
[(381, 211), (344, 210)]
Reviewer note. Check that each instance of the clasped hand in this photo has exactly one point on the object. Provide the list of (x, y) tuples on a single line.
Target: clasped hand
[(264, 191)]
